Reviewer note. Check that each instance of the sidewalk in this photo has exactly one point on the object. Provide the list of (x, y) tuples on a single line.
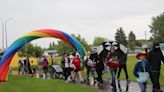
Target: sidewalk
[(131, 87)]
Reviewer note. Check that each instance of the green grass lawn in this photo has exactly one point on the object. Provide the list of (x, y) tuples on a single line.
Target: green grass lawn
[(24, 84)]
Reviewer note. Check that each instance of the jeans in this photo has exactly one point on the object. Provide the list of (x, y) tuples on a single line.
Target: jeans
[(92, 70), (113, 72), (142, 86), (107, 72), (99, 73), (125, 70)]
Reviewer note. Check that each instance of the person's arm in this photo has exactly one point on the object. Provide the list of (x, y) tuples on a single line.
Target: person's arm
[(135, 71), (162, 57)]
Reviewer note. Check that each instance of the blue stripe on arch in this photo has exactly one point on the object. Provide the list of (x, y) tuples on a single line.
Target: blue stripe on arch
[(15, 47), (74, 43)]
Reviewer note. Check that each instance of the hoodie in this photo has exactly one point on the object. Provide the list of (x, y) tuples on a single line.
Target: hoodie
[(155, 57)]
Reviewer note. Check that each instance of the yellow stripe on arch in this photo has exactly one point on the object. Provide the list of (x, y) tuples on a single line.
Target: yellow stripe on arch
[(39, 34)]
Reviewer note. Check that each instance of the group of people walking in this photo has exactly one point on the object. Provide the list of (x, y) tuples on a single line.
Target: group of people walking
[(113, 62), (72, 68), (148, 66), (25, 67)]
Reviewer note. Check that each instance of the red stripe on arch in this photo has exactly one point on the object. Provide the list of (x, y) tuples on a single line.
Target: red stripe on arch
[(54, 33), (4, 69)]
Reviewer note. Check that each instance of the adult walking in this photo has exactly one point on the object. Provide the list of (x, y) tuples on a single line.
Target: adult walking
[(122, 57), (86, 60), (154, 58), (66, 66), (45, 66), (77, 68), (21, 66), (113, 63)]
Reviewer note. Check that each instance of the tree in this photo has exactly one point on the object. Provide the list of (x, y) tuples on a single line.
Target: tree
[(157, 28), (132, 40), (98, 41), (30, 50), (131, 36), (120, 36), (52, 46)]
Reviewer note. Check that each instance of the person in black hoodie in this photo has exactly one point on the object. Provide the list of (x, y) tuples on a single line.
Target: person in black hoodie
[(122, 59), (154, 58)]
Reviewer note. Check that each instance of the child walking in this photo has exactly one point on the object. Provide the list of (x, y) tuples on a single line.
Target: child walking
[(141, 71)]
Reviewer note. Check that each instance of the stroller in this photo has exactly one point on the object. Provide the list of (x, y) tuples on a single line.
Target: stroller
[(56, 72)]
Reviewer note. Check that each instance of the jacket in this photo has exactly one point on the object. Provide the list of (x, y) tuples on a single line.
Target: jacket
[(139, 67), (155, 57), (121, 56)]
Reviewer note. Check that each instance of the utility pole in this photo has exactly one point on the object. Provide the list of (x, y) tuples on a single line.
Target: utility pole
[(2, 24), (6, 30), (145, 36)]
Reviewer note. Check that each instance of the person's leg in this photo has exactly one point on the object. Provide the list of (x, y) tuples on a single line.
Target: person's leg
[(100, 76), (46, 71), (126, 72), (73, 75), (88, 72), (151, 78), (93, 72), (80, 76), (142, 87), (97, 71), (19, 70), (145, 86), (66, 73), (119, 72), (108, 73), (156, 80), (23, 70), (113, 78)]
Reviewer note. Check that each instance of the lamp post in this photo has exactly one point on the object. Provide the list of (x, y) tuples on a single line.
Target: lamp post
[(6, 21), (2, 24)]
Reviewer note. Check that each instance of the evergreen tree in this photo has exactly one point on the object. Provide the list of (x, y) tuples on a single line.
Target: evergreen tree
[(120, 36), (131, 36)]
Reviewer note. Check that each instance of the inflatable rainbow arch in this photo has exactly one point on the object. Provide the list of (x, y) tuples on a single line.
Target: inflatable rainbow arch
[(42, 33)]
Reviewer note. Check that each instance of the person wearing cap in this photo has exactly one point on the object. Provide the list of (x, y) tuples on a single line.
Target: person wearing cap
[(141, 71), (77, 69), (155, 57)]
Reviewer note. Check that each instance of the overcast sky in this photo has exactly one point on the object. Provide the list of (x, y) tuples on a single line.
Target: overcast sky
[(90, 18)]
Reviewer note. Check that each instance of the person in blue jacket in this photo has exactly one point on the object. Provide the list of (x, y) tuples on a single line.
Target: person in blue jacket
[(141, 67)]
